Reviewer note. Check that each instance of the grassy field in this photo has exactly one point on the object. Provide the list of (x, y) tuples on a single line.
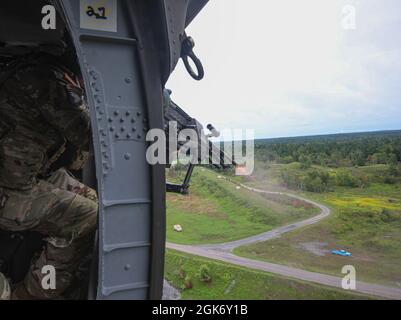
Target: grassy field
[(365, 221), (225, 281), (217, 211)]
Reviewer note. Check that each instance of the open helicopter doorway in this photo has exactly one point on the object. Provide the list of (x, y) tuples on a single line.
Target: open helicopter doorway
[(123, 85), (22, 37), (126, 52)]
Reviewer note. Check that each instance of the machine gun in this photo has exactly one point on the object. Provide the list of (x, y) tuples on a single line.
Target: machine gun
[(208, 152)]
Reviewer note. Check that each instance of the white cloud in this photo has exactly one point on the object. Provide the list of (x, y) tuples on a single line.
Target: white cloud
[(288, 68)]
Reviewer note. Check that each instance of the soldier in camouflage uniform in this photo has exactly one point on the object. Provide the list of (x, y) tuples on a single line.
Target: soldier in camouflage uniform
[(41, 110)]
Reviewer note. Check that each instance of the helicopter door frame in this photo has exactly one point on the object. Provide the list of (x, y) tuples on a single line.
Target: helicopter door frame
[(124, 91)]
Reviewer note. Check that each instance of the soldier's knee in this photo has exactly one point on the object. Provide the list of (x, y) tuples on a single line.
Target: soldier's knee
[(89, 209), (93, 209), (82, 215)]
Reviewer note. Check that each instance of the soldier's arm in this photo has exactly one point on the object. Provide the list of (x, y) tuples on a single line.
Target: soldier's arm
[(60, 104), (67, 112)]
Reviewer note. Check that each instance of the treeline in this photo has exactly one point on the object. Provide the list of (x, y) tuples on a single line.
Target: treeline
[(323, 162), (313, 180), (333, 151), (320, 180)]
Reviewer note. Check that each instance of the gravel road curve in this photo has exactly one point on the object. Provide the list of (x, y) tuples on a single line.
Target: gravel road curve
[(223, 252)]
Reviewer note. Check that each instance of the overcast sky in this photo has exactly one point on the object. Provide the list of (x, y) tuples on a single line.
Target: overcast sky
[(289, 68)]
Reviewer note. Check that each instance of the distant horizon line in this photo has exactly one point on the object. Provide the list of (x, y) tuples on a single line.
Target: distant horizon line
[(329, 134), (316, 135)]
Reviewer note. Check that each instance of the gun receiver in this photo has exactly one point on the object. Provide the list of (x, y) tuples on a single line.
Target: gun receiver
[(214, 155)]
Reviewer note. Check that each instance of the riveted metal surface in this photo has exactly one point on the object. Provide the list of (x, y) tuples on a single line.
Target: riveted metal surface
[(119, 116), (176, 14), (96, 86), (126, 123), (179, 13), (124, 81)]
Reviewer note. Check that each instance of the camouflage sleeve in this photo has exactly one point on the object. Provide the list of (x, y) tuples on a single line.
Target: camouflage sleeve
[(67, 111), (60, 103)]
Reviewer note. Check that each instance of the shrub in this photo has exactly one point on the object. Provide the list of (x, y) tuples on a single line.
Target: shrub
[(181, 272), (388, 179), (389, 216), (204, 273), (188, 282), (313, 181), (344, 179)]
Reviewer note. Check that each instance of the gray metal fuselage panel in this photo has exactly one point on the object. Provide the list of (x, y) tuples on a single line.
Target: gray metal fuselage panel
[(120, 119)]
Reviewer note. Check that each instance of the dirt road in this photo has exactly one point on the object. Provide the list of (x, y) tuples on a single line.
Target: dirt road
[(362, 287), (223, 252), (229, 246)]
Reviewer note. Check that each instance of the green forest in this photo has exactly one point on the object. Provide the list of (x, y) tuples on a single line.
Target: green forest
[(321, 162)]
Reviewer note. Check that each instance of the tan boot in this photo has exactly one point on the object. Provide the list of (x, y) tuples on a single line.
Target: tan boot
[(5, 291)]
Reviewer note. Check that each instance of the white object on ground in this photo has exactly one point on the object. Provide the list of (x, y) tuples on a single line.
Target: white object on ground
[(177, 228)]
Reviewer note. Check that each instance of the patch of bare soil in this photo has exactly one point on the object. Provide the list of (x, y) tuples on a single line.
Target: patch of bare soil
[(316, 248)]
